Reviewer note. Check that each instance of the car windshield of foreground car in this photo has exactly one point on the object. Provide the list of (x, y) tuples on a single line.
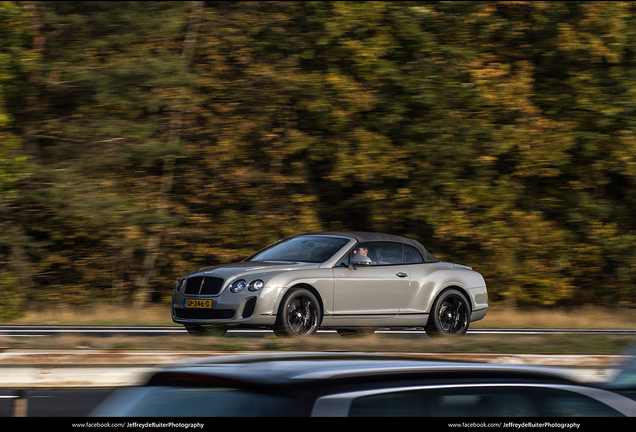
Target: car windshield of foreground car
[(168, 401), (311, 249), (486, 401)]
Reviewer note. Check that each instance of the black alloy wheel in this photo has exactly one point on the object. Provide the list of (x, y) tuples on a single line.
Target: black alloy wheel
[(299, 314), (450, 315)]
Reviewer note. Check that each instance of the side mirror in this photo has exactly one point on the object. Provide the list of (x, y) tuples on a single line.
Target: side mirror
[(360, 260)]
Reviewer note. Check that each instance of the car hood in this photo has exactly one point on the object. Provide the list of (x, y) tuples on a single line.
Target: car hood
[(247, 267)]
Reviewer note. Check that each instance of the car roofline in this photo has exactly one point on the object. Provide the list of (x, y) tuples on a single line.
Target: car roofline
[(365, 236)]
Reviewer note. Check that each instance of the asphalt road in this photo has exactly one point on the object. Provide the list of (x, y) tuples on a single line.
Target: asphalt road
[(53, 403)]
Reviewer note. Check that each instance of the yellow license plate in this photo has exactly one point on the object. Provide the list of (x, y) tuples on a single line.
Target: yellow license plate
[(198, 304)]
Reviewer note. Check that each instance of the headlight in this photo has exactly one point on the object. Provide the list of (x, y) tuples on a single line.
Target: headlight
[(238, 286), (255, 285)]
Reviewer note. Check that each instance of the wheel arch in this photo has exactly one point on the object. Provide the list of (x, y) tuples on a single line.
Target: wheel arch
[(309, 288), (456, 287)]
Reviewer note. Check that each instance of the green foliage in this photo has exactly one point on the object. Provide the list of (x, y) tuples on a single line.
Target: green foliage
[(13, 59), (14, 64), (12, 298), (169, 135)]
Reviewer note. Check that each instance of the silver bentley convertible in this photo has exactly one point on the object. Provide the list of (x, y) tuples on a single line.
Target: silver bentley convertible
[(354, 282)]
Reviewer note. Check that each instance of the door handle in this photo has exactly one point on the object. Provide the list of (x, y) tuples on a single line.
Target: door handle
[(401, 274)]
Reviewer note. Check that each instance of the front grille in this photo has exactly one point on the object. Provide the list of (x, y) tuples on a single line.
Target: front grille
[(203, 285), (204, 313)]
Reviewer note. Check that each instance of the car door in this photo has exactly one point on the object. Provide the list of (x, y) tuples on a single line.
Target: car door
[(372, 291)]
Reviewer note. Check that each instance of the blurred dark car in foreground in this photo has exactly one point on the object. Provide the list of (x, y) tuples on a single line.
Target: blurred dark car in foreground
[(354, 385), (353, 282)]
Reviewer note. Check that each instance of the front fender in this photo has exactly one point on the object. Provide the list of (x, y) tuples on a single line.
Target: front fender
[(320, 281)]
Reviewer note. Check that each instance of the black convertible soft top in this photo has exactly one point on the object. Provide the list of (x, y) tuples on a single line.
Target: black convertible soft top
[(361, 236)]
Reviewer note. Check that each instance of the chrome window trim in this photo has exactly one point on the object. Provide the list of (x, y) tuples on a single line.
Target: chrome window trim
[(337, 405)]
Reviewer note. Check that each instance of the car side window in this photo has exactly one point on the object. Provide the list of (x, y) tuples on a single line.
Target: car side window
[(380, 253), (412, 255), (504, 401)]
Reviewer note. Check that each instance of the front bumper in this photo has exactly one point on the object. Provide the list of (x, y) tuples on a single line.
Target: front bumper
[(227, 309)]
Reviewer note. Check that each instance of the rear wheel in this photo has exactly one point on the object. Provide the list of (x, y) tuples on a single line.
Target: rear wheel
[(450, 315), (299, 314)]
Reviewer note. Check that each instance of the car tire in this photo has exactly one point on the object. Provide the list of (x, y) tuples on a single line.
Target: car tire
[(450, 315), (298, 315)]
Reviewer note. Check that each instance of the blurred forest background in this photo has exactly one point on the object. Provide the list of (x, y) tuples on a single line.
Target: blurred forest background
[(141, 140)]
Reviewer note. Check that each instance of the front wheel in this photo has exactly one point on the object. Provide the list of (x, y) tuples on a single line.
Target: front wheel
[(450, 315), (299, 314)]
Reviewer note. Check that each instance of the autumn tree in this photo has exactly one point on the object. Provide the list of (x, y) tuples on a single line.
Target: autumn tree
[(165, 136)]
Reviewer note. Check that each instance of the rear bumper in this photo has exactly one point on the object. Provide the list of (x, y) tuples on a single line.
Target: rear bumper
[(478, 314)]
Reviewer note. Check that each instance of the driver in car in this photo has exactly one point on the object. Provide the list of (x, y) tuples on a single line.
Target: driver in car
[(362, 250)]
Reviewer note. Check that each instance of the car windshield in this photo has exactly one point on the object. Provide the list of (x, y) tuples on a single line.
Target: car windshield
[(168, 401), (312, 249)]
